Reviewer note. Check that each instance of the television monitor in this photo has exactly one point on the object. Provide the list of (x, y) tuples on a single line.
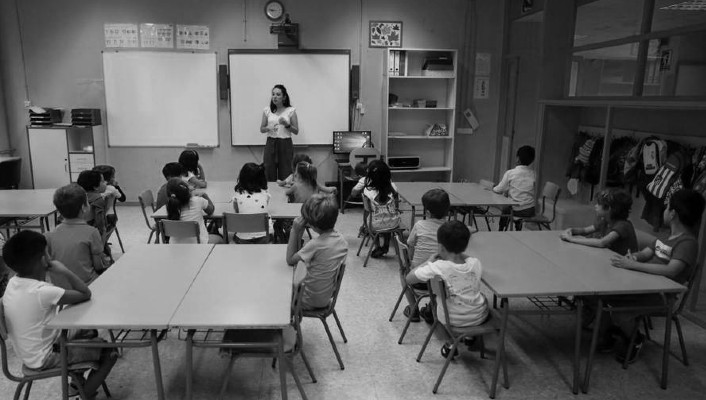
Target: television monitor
[(345, 141)]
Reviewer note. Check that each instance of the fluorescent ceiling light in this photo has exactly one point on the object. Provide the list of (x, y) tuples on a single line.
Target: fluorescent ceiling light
[(691, 5)]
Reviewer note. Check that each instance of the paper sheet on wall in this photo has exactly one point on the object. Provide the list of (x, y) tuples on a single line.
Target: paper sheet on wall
[(193, 37), (481, 87), (120, 35), (157, 35), (482, 63)]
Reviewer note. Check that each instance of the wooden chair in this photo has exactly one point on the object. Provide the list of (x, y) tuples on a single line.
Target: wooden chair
[(405, 266), (330, 309), (76, 371), (263, 343), (551, 191), (146, 199), (371, 234), (245, 223), (439, 295), (180, 229), (365, 155)]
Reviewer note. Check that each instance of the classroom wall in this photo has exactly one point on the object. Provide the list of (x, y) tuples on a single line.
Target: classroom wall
[(62, 42)]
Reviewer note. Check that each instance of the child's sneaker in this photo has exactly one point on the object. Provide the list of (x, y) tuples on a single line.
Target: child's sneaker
[(634, 352), (426, 313), (446, 349), (415, 315)]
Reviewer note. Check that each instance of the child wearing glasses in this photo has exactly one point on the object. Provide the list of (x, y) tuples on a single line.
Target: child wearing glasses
[(612, 228)]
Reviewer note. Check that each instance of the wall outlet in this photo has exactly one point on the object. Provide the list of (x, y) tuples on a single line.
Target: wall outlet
[(28, 103)]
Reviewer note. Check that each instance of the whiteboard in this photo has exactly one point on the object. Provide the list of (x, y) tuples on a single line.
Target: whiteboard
[(318, 87), (161, 98)]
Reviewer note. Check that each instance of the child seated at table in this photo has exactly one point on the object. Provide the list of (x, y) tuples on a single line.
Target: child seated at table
[(112, 193), (94, 185), (518, 184), (674, 257), (612, 229), (323, 254), (74, 243), (30, 302), (462, 274), (170, 170), (289, 180), (182, 206), (195, 175), (252, 197), (422, 242)]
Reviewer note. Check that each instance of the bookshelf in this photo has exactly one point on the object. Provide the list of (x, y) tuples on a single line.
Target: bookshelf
[(420, 92)]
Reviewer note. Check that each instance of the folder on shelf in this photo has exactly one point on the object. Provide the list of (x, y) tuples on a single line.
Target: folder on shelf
[(403, 63), (391, 63), (397, 63)]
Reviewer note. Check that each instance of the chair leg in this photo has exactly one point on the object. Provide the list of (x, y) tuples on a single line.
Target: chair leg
[(18, 391), (370, 250), (149, 239), (290, 365), (409, 320), (105, 390), (120, 241), (426, 340), (340, 327), (647, 325), (362, 242), (333, 344), (226, 377), (487, 223), (633, 336), (308, 367), (684, 359), (397, 304), (449, 357)]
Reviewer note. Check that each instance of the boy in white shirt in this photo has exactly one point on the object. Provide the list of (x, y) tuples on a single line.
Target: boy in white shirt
[(519, 185), (30, 302), (462, 274)]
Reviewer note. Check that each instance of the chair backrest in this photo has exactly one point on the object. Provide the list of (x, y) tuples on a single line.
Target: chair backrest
[(337, 287), (486, 184), (146, 199), (110, 204), (245, 223), (363, 154), (689, 287), (385, 215), (551, 191), (437, 288), (403, 256), (296, 308), (182, 229), (10, 173), (3, 346)]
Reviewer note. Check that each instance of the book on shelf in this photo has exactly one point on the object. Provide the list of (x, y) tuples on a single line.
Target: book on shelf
[(391, 63)]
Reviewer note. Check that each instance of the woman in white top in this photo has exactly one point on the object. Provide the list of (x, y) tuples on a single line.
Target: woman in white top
[(279, 122), (182, 206)]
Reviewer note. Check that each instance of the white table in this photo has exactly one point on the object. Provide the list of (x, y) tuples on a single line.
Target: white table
[(239, 287), (29, 203), (530, 263), (140, 291), (223, 191)]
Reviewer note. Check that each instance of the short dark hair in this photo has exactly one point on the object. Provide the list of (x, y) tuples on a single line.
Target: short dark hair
[(454, 236), (689, 206), (69, 200), (89, 180), (189, 159), (108, 171), (172, 170), (361, 169), (526, 155), (299, 157), (22, 250), (619, 202), (437, 202), (320, 211), (251, 179)]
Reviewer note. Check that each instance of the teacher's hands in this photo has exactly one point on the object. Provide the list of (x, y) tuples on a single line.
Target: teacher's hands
[(284, 121)]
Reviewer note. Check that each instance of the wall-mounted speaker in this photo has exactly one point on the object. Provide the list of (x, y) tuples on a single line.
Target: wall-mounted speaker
[(223, 82), (355, 83)]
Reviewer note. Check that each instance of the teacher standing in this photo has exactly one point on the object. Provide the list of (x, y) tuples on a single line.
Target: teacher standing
[(279, 122)]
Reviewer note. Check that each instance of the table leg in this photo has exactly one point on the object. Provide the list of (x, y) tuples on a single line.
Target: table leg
[(189, 363), (667, 342), (158, 232), (340, 191), (64, 365), (511, 227), (157, 366), (594, 342), (577, 345), (282, 365), (505, 306)]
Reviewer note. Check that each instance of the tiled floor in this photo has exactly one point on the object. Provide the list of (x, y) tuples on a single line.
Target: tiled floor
[(539, 353)]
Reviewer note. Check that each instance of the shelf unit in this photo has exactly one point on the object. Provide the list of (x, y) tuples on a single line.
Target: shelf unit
[(435, 152)]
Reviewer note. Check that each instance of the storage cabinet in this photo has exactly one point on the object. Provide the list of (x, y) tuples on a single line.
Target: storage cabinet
[(418, 96), (59, 154)]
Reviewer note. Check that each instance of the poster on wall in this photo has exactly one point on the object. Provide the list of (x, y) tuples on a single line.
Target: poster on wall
[(483, 64), (193, 37), (481, 87), (120, 35), (157, 35)]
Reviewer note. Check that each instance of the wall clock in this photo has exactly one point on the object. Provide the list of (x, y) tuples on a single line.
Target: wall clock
[(274, 10)]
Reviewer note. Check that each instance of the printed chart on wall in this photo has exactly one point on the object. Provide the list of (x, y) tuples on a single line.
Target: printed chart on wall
[(317, 83), (161, 98)]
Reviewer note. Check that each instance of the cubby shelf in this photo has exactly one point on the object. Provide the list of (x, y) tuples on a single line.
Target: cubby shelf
[(423, 169), (418, 137)]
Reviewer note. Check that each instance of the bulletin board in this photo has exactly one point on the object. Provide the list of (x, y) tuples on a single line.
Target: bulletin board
[(318, 83), (161, 99)]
